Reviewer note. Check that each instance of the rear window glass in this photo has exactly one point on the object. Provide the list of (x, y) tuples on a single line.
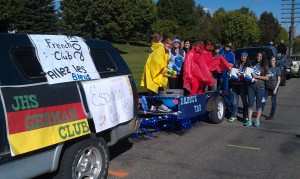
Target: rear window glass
[(103, 61), (29, 65)]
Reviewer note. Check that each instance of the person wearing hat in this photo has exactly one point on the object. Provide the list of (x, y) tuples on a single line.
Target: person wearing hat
[(239, 87), (219, 65), (230, 57), (176, 59)]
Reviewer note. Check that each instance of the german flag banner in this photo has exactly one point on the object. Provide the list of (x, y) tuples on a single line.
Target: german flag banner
[(41, 115)]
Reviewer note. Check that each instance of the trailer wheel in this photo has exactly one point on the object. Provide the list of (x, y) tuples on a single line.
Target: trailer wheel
[(86, 159), (218, 112)]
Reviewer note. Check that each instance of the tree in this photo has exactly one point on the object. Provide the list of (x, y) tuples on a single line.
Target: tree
[(247, 11), (180, 11), (236, 28), (77, 18), (8, 11), (144, 14), (269, 27), (36, 17), (112, 20), (168, 28)]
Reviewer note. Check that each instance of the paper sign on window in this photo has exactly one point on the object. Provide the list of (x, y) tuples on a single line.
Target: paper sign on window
[(64, 58)]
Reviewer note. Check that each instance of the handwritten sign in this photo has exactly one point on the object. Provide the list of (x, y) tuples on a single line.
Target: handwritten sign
[(64, 58), (38, 116), (110, 101)]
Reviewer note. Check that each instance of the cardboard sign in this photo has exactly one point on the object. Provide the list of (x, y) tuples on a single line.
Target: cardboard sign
[(38, 116), (64, 58), (110, 101)]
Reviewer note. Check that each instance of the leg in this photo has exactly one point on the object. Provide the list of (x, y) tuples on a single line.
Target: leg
[(235, 102), (244, 101), (251, 96), (273, 109), (259, 97), (195, 86), (267, 92)]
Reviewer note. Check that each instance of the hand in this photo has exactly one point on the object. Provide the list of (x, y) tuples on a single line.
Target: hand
[(254, 75), (275, 91)]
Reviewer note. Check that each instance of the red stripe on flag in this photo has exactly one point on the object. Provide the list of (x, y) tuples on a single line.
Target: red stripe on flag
[(26, 120)]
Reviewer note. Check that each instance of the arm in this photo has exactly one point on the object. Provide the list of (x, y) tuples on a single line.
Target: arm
[(277, 85), (266, 77)]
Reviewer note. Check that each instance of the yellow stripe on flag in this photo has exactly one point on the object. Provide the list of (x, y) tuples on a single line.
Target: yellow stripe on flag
[(32, 140)]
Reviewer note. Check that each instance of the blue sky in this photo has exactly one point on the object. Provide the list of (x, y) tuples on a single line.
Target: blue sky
[(257, 6)]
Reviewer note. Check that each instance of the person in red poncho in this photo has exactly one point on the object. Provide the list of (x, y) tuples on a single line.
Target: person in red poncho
[(196, 74), (216, 63)]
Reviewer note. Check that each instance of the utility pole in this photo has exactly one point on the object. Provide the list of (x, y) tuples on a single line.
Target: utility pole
[(289, 6)]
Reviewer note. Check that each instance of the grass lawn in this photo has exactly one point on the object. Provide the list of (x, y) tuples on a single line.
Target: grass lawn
[(135, 55)]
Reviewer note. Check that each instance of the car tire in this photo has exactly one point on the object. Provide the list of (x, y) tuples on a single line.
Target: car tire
[(298, 75), (218, 112), (87, 158)]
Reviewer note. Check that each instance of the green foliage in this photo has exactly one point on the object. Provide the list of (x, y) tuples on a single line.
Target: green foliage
[(239, 29), (182, 12), (168, 28), (8, 11), (36, 17), (135, 57), (104, 19), (269, 27), (144, 14)]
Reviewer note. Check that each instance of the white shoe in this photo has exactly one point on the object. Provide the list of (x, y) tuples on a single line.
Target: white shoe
[(153, 108), (163, 108)]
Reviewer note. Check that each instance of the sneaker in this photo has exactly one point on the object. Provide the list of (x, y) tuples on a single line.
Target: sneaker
[(232, 119), (256, 123), (163, 108), (153, 108), (269, 118), (248, 123)]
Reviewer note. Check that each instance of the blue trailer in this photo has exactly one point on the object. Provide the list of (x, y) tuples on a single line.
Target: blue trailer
[(183, 110)]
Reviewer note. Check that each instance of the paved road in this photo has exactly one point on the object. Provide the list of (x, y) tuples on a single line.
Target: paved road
[(226, 150)]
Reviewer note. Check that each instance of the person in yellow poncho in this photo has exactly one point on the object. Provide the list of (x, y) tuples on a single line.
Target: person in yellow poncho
[(155, 75)]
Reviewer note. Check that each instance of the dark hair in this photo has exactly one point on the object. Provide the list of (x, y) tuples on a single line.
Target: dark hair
[(180, 50), (263, 63), (246, 64), (207, 41), (187, 49), (217, 46)]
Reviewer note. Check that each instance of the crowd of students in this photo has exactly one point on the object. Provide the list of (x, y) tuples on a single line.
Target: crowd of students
[(175, 64)]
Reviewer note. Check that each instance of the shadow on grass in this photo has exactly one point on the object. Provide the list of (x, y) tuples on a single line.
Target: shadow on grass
[(134, 43), (139, 44), (122, 52)]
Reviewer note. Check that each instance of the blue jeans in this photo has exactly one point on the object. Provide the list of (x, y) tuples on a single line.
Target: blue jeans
[(242, 91), (273, 101), (224, 80), (257, 92)]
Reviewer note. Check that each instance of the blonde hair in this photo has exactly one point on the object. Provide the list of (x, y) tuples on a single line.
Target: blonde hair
[(156, 37), (168, 41)]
